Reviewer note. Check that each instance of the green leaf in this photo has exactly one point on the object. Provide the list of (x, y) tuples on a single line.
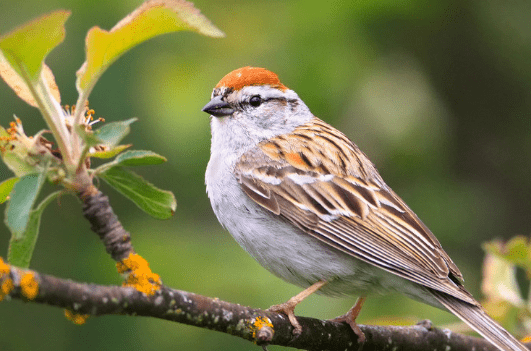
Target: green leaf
[(112, 133), (109, 153), (156, 202), (20, 251), (133, 158), (22, 54), (5, 188), (23, 197), (149, 20), (139, 158), (89, 137), (26, 46)]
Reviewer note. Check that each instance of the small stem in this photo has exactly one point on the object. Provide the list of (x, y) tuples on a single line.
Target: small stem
[(82, 156), (78, 114), (53, 115)]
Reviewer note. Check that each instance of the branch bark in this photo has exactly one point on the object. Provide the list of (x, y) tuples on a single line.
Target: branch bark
[(98, 211), (261, 327)]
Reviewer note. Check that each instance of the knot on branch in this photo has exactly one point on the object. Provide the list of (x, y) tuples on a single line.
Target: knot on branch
[(262, 330)]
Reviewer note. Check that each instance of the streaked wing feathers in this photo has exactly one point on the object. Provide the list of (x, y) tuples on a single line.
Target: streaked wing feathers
[(342, 200)]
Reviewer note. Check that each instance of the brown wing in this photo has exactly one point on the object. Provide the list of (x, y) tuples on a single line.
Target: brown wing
[(330, 190)]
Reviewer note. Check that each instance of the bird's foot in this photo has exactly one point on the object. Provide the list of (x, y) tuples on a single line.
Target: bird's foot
[(288, 307), (350, 318)]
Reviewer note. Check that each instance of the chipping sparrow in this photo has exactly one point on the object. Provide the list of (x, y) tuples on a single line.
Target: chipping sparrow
[(310, 207)]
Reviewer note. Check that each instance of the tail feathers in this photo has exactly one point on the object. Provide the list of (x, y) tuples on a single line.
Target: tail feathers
[(478, 320)]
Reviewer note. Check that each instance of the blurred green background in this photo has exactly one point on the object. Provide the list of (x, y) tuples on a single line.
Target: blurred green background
[(437, 93)]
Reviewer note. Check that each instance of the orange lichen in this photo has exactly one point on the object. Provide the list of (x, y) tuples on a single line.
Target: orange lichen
[(75, 318), (247, 76), (7, 283), (29, 286), (6, 288), (140, 275), (4, 267), (259, 323)]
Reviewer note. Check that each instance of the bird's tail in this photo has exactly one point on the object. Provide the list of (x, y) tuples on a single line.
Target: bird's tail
[(480, 321)]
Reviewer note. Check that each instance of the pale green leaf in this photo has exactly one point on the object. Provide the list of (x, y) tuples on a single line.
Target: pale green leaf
[(21, 251), (133, 158), (151, 19), (22, 198), (18, 165), (156, 202), (517, 251), (499, 281), (139, 158), (4, 134), (5, 188), (26, 46), (16, 155), (109, 153)]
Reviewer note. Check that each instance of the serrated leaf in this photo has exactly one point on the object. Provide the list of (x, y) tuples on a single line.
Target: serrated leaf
[(5, 188), (152, 18), (112, 133), (21, 251), (139, 158), (26, 46), (156, 202), (22, 198), (109, 153)]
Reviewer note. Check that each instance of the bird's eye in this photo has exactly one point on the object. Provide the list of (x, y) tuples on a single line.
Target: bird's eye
[(255, 101)]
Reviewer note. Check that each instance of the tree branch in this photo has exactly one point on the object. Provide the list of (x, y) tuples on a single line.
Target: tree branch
[(144, 294), (98, 211), (261, 327)]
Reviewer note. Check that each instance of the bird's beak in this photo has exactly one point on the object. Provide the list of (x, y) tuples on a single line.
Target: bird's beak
[(218, 108)]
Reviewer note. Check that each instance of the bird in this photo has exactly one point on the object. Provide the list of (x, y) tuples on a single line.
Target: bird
[(306, 203)]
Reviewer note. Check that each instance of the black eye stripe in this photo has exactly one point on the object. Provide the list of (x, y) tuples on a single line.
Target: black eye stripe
[(263, 100), (277, 99)]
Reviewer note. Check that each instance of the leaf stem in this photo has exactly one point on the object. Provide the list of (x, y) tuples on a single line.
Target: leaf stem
[(53, 115)]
